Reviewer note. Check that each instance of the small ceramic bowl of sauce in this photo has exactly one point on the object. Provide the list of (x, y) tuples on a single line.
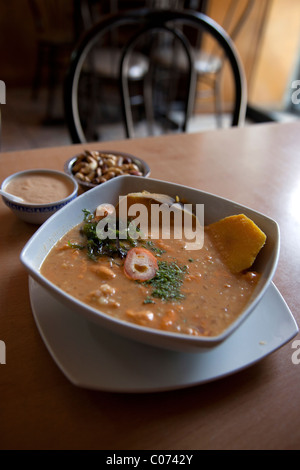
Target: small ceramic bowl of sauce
[(43, 192)]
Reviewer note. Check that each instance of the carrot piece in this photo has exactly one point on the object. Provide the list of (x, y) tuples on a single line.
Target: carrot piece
[(140, 264)]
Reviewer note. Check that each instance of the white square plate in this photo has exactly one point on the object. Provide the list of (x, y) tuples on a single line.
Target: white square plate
[(92, 357)]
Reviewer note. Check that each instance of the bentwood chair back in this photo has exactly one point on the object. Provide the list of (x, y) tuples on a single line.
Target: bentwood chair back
[(139, 32)]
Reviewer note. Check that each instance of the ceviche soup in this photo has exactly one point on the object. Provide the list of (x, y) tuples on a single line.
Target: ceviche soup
[(157, 283)]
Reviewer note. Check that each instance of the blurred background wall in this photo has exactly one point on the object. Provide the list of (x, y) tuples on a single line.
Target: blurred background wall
[(269, 45)]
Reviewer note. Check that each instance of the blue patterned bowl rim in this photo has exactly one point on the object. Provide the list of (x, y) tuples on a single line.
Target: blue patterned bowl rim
[(47, 207)]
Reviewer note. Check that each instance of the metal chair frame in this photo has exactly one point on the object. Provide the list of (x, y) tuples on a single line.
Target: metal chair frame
[(147, 20)]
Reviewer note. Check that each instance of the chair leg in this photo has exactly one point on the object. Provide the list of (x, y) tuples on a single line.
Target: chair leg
[(148, 100), (91, 122), (218, 103), (191, 99), (126, 108)]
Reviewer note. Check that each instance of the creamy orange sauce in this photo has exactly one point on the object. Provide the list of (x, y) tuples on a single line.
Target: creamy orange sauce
[(213, 296), (40, 188)]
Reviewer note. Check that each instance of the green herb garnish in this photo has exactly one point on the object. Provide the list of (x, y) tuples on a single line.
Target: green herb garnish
[(167, 282), (150, 245), (117, 241), (87, 214), (149, 301), (75, 246)]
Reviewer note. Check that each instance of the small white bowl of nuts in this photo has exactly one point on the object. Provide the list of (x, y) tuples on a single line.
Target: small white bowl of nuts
[(94, 167)]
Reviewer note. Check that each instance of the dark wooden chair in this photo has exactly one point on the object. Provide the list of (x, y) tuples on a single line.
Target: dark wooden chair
[(142, 28)]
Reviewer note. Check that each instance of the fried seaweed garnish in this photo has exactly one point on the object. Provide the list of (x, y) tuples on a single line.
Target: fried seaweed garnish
[(116, 243)]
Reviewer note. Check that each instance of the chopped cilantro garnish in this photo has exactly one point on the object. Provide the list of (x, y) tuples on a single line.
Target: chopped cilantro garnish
[(149, 301), (75, 246), (150, 245), (167, 282), (87, 214)]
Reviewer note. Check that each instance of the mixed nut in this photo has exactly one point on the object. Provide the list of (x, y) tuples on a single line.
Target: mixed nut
[(96, 167)]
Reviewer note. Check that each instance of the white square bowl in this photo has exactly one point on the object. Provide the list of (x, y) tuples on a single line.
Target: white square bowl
[(215, 208)]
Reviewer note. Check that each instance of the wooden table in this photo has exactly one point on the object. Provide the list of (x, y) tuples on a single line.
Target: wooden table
[(257, 408)]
